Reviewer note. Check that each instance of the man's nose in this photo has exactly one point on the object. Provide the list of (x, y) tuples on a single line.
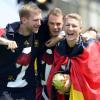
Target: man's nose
[(55, 26), (70, 27)]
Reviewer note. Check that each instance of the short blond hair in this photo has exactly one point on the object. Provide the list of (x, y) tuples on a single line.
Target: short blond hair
[(74, 16), (27, 9), (55, 12)]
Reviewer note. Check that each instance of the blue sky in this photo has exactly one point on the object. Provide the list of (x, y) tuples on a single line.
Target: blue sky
[(8, 12)]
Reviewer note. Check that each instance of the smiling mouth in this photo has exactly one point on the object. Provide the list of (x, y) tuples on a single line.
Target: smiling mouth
[(55, 32), (36, 27), (70, 34)]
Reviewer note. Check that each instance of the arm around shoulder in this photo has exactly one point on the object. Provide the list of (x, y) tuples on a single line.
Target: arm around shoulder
[(54, 40)]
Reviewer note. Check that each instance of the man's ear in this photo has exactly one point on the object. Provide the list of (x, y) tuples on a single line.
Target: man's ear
[(23, 19), (81, 29)]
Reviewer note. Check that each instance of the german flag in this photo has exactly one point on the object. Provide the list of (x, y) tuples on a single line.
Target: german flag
[(85, 74)]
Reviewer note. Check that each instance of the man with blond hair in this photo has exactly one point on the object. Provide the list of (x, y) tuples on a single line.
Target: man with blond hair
[(17, 76), (64, 52)]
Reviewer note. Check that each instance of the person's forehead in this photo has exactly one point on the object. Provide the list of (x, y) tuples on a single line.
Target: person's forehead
[(53, 18), (72, 20), (36, 15), (91, 32)]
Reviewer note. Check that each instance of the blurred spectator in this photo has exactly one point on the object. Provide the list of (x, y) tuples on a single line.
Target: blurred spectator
[(89, 33), (98, 36)]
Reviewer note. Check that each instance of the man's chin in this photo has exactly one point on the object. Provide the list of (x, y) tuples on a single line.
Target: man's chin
[(70, 39), (54, 35), (36, 31)]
